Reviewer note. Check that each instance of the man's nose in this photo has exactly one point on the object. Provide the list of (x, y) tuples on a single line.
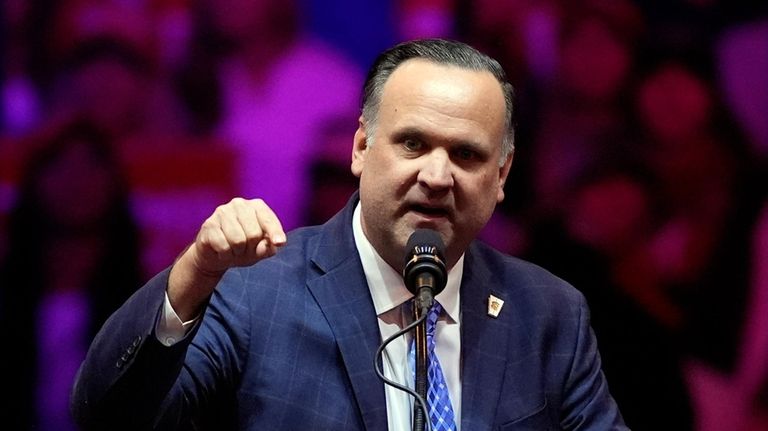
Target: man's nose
[(436, 171)]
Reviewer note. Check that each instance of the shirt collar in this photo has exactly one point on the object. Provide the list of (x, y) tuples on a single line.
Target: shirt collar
[(386, 285)]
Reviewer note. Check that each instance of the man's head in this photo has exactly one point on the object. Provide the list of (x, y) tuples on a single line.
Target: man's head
[(434, 145), (440, 51)]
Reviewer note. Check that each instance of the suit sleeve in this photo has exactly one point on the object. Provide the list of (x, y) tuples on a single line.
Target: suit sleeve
[(587, 402), (129, 380)]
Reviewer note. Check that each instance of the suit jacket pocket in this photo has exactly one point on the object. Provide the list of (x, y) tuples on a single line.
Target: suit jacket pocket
[(536, 420)]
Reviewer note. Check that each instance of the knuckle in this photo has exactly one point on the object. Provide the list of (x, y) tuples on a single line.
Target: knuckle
[(209, 223), (238, 242)]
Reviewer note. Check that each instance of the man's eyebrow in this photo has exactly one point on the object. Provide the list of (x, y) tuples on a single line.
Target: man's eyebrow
[(409, 133), (418, 134)]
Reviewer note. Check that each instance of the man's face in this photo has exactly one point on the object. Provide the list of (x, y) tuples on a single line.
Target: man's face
[(434, 162)]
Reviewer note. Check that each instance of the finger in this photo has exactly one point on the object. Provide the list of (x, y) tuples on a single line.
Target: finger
[(270, 224), (249, 221), (233, 231), (265, 248), (212, 243)]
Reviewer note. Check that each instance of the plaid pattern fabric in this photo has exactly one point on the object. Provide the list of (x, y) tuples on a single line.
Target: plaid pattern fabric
[(438, 398)]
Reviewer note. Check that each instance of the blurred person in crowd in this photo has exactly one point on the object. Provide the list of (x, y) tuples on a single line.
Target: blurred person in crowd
[(708, 195), (597, 244), (113, 82), (100, 59), (752, 371), (584, 113), (331, 181), (105, 79), (520, 32), (741, 76), (263, 85), (733, 398), (73, 258), (20, 98)]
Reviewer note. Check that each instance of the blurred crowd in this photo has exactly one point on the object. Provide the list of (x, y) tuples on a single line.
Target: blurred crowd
[(639, 172)]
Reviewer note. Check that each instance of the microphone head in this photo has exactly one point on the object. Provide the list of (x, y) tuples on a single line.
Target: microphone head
[(424, 253)]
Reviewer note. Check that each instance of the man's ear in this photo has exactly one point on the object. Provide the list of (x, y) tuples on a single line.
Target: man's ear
[(359, 147), (503, 173)]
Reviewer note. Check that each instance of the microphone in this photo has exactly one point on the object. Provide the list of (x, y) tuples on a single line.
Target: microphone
[(424, 273)]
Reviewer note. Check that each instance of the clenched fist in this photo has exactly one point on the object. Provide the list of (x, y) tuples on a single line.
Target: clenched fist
[(239, 233)]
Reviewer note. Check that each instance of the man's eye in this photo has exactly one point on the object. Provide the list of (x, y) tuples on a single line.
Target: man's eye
[(465, 154), (412, 145)]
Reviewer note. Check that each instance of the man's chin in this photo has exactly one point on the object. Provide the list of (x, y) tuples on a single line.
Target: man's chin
[(443, 227)]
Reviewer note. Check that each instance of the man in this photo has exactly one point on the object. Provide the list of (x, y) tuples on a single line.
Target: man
[(285, 339)]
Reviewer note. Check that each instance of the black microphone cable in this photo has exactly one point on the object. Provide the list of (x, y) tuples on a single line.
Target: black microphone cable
[(419, 400)]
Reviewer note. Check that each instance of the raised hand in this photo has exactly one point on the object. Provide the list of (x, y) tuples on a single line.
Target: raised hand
[(239, 233)]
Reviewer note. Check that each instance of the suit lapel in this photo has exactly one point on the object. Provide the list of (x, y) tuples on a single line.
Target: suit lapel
[(341, 291), (484, 346)]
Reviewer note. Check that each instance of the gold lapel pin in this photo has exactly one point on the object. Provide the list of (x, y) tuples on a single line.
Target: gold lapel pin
[(494, 306)]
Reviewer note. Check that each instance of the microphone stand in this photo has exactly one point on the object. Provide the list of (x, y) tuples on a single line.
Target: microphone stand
[(421, 364), (422, 303)]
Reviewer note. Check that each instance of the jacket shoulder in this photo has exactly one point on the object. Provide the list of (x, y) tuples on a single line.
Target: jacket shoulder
[(523, 280)]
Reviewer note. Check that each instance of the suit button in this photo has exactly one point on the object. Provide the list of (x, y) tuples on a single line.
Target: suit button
[(119, 363), (136, 341)]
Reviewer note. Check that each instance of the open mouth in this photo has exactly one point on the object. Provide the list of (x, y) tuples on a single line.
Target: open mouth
[(430, 212)]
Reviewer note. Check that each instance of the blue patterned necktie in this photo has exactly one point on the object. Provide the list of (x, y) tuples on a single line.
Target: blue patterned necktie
[(438, 400)]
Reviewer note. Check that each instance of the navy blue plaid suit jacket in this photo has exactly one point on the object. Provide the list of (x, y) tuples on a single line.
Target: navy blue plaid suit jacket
[(288, 344)]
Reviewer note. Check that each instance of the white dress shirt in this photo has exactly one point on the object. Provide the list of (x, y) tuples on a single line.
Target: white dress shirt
[(390, 298)]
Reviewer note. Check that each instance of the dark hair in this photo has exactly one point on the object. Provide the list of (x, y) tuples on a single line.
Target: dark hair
[(440, 51)]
